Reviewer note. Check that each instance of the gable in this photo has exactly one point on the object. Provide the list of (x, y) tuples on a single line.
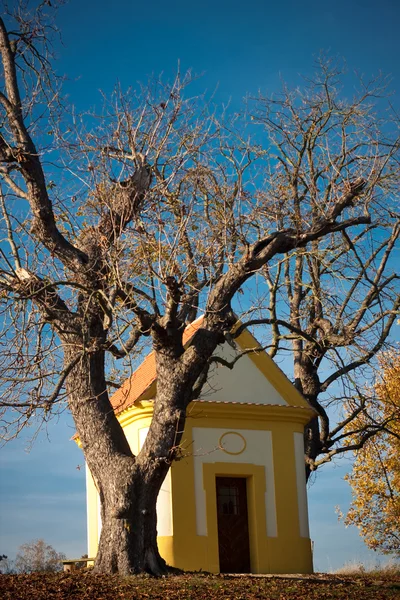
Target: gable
[(245, 383), (270, 370), (255, 378)]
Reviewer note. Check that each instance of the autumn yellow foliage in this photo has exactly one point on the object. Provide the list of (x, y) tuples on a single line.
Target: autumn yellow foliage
[(375, 478)]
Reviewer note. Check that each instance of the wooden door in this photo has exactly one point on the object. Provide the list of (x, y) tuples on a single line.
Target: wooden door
[(233, 527)]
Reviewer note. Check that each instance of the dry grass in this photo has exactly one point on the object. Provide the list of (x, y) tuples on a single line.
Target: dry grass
[(389, 569), (87, 586)]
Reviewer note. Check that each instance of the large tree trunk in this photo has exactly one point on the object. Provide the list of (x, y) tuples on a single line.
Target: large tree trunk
[(128, 541), (128, 486)]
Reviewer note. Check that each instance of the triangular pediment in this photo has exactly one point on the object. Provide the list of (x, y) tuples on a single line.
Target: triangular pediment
[(254, 379)]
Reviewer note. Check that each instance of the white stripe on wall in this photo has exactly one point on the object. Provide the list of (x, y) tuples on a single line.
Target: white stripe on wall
[(258, 452), (301, 484), (88, 482)]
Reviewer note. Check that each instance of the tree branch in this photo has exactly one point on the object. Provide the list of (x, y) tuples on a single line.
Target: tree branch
[(44, 225), (296, 330)]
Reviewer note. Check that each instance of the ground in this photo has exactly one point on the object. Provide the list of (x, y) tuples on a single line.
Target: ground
[(86, 586)]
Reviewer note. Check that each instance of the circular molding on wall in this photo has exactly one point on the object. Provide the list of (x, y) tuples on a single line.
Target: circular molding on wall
[(232, 442)]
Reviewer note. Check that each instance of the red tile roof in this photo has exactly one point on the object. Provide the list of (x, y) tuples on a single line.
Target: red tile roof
[(140, 381)]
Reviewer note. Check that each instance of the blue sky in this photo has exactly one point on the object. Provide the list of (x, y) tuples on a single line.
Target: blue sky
[(239, 48)]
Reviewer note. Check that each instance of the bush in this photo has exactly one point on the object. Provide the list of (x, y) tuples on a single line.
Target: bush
[(37, 556), (6, 565)]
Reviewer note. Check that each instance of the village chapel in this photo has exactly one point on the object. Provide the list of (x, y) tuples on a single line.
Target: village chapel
[(236, 502)]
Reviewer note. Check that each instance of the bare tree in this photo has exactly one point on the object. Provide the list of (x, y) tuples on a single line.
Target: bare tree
[(166, 213), (333, 304), (37, 556)]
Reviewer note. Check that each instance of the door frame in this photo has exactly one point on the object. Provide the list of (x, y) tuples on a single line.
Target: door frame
[(256, 487)]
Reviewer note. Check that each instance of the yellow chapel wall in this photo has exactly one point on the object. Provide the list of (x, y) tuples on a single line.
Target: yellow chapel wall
[(280, 546)]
